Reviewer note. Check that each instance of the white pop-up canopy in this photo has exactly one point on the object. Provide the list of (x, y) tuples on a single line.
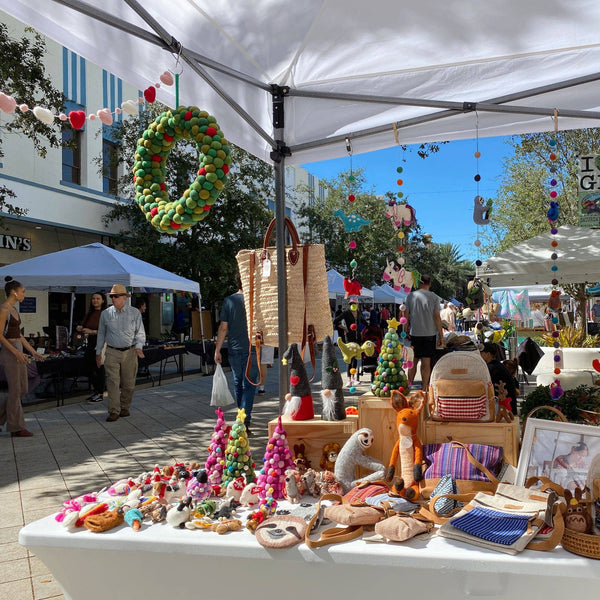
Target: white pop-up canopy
[(86, 269), (383, 294), (335, 286), (528, 263)]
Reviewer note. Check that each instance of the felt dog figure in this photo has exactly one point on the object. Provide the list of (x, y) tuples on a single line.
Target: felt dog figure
[(293, 488), (408, 447), (302, 463), (353, 454)]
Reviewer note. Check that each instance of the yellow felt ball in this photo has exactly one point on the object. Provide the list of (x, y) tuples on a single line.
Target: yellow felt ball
[(204, 194), (353, 307), (401, 234)]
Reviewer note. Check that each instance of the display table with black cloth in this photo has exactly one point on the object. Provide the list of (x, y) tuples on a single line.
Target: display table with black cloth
[(163, 355), (59, 369), (206, 350), (161, 562)]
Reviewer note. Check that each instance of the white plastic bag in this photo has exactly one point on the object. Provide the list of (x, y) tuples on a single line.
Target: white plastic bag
[(220, 396)]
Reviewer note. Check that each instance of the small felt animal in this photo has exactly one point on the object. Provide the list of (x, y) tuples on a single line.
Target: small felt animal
[(329, 456), (408, 447), (134, 518), (481, 211), (556, 390), (198, 487), (352, 222), (352, 287), (352, 455), (552, 213), (227, 525), (353, 350), (402, 278), (204, 509), (104, 521), (227, 507), (309, 482), (235, 488), (177, 517), (327, 483), (251, 495), (578, 517), (504, 408), (293, 488), (302, 463)]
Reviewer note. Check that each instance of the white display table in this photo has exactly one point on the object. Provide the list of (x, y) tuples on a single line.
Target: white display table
[(161, 562)]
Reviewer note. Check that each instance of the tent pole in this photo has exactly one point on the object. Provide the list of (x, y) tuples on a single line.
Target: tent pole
[(71, 316), (280, 151)]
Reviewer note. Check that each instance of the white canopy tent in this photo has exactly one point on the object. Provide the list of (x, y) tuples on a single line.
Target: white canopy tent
[(384, 294), (529, 262), (305, 81)]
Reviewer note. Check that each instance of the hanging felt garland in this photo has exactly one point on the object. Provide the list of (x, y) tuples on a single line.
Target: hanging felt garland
[(187, 122), (552, 216)]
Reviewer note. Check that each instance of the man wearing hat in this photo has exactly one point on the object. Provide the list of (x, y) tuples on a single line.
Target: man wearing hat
[(122, 330)]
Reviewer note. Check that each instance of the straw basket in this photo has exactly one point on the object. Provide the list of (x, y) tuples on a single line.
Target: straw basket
[(582, 544), (307, 293)]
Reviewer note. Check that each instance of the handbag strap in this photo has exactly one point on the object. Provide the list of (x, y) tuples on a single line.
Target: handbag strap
[(431, 514), (293, 254), (334, 534), (308, 332), (558, 523), (258, 336), (476, 463)]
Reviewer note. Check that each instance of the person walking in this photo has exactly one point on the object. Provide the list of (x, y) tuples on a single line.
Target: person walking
[(499, 373), (233, 327), (14, 360), (351, 322), (89, 327), (122, 330), (424, 324)]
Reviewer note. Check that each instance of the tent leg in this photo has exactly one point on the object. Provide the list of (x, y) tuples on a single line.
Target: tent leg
[(278, 156)]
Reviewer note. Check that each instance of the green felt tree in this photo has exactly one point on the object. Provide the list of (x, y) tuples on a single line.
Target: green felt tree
[(389, 374), (238, 458)]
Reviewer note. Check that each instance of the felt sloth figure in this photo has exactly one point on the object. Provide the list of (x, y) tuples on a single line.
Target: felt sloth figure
[(481, 211), (281, 531), (408, 447), (352, 455)]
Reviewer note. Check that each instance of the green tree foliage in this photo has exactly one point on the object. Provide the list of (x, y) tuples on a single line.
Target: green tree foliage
[(23, 76), (206, 252), (520, 208)]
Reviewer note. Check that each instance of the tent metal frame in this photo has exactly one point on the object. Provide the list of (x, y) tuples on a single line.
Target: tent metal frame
[(199, 64)]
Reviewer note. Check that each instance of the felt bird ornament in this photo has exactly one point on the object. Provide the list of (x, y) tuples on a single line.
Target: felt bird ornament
[(352, 287), (481, 211), (353, 350), (552, 213)]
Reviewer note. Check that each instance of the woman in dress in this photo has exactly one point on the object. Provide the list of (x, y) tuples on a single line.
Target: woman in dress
[(90, 327), (14, 360)]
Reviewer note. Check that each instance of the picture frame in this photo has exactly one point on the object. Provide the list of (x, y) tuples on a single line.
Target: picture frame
[(563, 452)]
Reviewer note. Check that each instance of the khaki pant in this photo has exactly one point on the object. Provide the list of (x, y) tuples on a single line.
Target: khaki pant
[(121, 370), (11, 411)]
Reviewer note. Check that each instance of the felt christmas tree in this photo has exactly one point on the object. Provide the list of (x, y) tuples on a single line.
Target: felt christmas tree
[(332, 384), (215, 463), (389, 374), (238, 458), (299, 405), (277, 459)]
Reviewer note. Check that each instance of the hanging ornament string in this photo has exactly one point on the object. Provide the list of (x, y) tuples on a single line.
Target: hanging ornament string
[(552, 215)]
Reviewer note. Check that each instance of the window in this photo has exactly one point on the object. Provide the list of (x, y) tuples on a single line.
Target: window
[(109, 167), (71, 155)]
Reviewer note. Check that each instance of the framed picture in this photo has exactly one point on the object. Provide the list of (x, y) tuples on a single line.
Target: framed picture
[(560, 451)]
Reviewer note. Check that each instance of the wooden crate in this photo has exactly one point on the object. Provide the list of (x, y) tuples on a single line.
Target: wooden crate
[(505, 435), (314, 434), (378, 415)]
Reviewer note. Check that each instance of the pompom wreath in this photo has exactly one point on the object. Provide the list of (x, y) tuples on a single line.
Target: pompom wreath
[(187, 122)]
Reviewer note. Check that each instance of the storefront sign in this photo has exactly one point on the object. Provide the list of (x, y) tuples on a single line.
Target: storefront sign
[(14, 242), (589, 190), (28, 305)]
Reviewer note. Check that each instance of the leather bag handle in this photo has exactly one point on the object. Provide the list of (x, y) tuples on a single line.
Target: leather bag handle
[(334, 534), (476, 463), (293, 254), (259, 337)]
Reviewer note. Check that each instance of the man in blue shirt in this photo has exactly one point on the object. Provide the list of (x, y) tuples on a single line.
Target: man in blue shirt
[(122, 330), (233, 326)]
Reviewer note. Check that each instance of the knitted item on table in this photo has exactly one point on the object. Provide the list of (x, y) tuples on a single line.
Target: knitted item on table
[(238, 458), (389, 374), (299, 405), (215, 463), (277, 459), (332, 384), (104, 521)]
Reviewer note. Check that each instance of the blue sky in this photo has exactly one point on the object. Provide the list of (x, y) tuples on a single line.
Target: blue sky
[(441, 187)]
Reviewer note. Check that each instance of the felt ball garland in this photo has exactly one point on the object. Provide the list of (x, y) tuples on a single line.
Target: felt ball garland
[(154, 147)]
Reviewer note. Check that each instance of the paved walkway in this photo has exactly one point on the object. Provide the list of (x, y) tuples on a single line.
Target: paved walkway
[(75, 451)]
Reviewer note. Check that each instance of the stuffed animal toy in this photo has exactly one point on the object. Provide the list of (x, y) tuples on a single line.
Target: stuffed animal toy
[(299, 402), (481, 211), (134, 518), (227, 525), (156, 510), (353, 350), (504, 409), (578, 517), (552, 213), (293, 488), (104, 521), (408, 447), (332, 393), (556, 390), (352, 222), (327, 483), (235, 488), (227, 507), (300, 460), (204, 509), (251, 495), (177, 517), (330, 454), (198, 487), (352, 455)]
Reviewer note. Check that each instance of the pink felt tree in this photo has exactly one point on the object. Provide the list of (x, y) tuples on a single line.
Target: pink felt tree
[(215, 463), (278, 458)]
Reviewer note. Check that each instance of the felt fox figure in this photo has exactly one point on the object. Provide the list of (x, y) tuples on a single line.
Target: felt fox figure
[(408, 447)]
